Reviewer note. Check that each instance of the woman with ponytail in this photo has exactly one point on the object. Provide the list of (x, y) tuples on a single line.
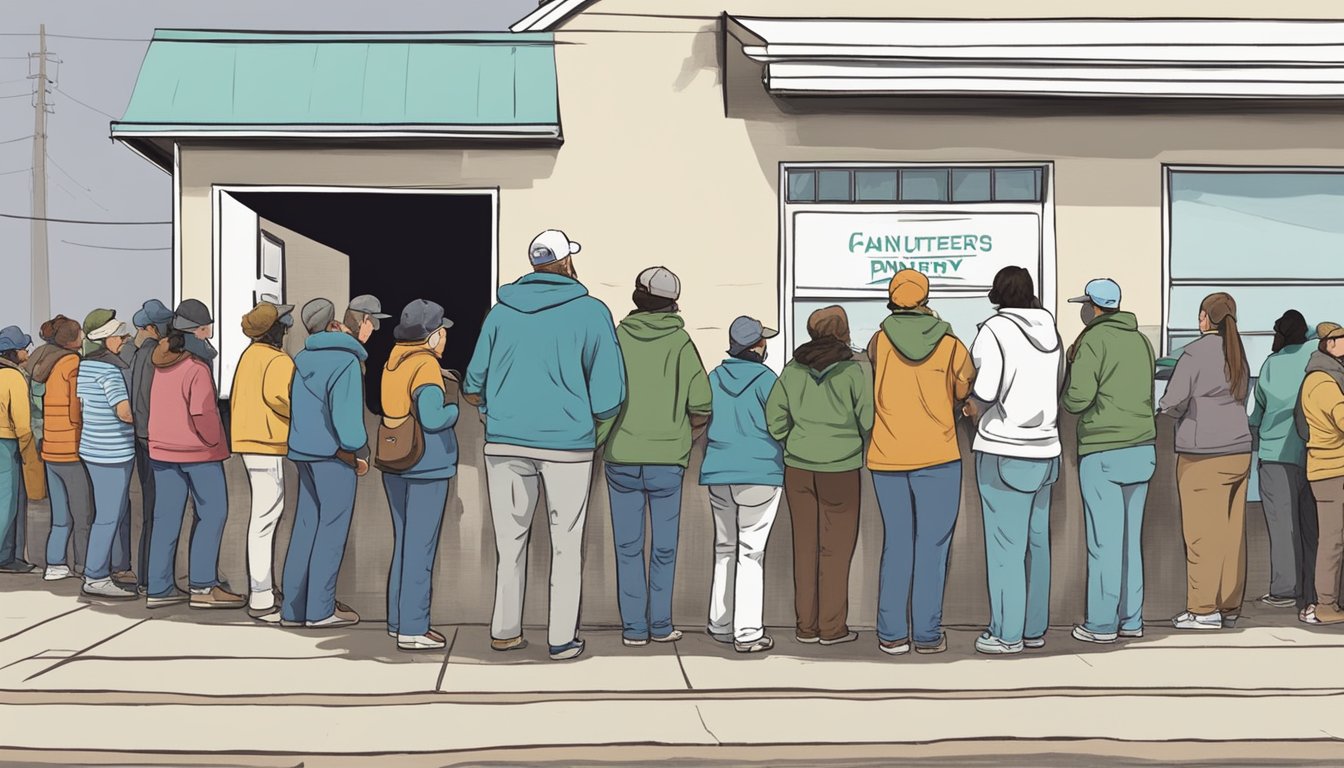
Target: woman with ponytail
[(1207, 395)]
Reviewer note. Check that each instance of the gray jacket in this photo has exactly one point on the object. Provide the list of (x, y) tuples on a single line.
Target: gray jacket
[(142, 376), (1211, 421)]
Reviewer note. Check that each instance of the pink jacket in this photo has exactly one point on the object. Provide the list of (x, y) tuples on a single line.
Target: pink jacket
[(184, 422)]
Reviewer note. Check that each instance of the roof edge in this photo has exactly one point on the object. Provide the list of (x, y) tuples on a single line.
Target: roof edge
[(549, 15)]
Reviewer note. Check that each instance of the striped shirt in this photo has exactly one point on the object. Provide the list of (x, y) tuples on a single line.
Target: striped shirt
[(104, 439)]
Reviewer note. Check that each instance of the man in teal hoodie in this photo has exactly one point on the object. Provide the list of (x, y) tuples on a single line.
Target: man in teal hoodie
[(649, 450), (547, 376)]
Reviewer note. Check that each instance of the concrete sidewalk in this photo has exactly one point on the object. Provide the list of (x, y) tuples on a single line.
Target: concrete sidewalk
[(78, 676)]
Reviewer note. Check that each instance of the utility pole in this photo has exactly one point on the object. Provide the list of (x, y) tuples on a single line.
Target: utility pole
[(41, 268)]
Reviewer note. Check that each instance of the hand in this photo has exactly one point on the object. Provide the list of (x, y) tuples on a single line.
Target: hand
[(361, 467)]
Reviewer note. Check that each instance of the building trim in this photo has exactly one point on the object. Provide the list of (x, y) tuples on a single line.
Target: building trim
[(497, 132), (549, 15)]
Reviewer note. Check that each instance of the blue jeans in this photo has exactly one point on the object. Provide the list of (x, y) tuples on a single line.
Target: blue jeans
[(317, 544), (1015, 501), (919, 511), (1115, 487), (13, 503), (417, 515), (71, 512), (204, 481), (111, 486), (646, 607)]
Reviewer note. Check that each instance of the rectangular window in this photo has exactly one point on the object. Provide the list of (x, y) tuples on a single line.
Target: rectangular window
[(875, 186), (1017, 184), (833, 187), (918, 185), (970, 185), (802, 186), (924, 186)]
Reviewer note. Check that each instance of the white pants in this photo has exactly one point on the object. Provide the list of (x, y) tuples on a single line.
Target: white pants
[(266, 475), (743, 515), (515, 486)]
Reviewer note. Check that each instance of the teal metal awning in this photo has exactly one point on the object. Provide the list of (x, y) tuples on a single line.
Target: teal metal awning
[(353, 85)]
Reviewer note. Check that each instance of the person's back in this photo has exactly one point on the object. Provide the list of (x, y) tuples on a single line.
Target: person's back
[(826, 420), (1277, 390), (104, 438), (184, 421), (259, 401), (1213, 421), (654, 425), (1110, 385), (60, 410), (740, 450), (1018, 355), (326, 398), (1323, 410)]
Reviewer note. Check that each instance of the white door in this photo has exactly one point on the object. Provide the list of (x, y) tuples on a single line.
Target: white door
[(270, 270)]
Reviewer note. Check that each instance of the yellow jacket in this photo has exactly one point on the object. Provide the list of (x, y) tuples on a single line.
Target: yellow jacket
[(16, 424), (1323, 407), (916, 402), (260, 401)]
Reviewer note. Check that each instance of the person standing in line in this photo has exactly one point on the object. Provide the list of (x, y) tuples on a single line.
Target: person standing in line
[(821, 409), (187, 450), (326, 428), (413, 385), (1017, 356), (548, 377), (259, 416), (922, 373), (22, 476), (1109, 386), (744, 471), (55, 368), (107, 448), (363, 316), (1207, 395), (1319, 418), (1285, 493), (649, 450), (151, 322)]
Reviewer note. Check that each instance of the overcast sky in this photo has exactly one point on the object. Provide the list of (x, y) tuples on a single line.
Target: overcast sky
[(92, 178)]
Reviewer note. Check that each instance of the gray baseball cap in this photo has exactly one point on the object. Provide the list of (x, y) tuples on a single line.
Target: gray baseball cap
[(660, 282), (190, 315), (419, 319), (747, 332), (317, 315), (371, 306)]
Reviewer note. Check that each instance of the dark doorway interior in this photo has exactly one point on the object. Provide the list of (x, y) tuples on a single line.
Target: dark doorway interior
[(401, 247)]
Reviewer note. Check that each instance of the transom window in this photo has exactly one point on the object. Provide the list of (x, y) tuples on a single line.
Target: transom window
[(922, 184)]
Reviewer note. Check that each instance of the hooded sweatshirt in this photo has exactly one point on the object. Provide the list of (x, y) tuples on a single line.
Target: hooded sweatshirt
[(16, 424), (326, 400), (1277, 391), (821, 415), (55, 372), (259, 402), (1320, 416), (1110, 385), (412, 376), (922, 371), (546, 367), (1017, 355), (740, 449), (184, 422), (666, 384), (1212, 421)]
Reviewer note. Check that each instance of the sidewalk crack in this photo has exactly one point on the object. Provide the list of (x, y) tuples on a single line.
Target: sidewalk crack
[(70, 659), (682, 667), (701, 715), (443, 671)]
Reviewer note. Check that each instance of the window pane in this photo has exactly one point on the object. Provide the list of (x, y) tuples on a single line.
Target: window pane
[(1017, 184), (875, 185), (833, 186), (1287, 225), (802, 186), (1260, 305), (1257, 349), (924, 186), (970, 185)]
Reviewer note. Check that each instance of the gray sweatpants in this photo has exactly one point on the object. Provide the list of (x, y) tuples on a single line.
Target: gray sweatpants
[(1290, 513)]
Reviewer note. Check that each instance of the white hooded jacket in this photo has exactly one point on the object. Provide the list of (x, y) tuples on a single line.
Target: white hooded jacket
[(1017, 356)]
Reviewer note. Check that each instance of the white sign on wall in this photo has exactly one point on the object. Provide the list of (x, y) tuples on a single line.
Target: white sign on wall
[(960, 252)]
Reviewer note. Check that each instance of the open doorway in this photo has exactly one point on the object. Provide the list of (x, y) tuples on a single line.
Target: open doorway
[(337, 243)]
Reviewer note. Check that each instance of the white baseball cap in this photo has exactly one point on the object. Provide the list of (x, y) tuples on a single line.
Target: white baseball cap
[(551, 246)]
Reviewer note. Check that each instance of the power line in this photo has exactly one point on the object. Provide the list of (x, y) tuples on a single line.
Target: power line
[(81, 221), (83, 104), (115, 248), (18, 96), (17, 138), (21, 170), (80, 37)]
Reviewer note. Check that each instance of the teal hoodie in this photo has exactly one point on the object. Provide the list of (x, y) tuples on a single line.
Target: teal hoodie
[(326, 398), (667, 383), (1276, 393), (546, 366), (741, 450)]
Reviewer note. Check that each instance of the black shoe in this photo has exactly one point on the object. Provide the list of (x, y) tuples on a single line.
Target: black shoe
[(17, 565)]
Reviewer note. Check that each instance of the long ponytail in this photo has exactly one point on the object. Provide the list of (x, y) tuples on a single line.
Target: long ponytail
[(1222, 311)]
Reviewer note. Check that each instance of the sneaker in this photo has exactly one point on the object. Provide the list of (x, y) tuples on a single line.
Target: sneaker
[(1208, 621), (265, 615), (571, 650), (894, 647), (342, 617), (806, 640), (1131, 634), (430, 641), (634, 642), (107, 590), (216, 598), (937, 647), (726, 638), (1308, 616), (993, 646), (1033, 643), (848, 637), (125, 577), (670, 637), (1230, 620), (1096, 638), (1279, 602), (176, 597), (509, 644), (17, 565), (764, 644), (1329, 614), (57, 572)]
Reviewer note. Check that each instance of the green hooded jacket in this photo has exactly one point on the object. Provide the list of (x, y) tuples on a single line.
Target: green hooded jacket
[(1110, 385), (914, 334), (822, 417), (666, 383)]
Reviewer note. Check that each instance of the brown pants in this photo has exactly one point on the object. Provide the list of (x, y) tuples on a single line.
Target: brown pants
[(1330, 546), (1213, 519), (824, 508)]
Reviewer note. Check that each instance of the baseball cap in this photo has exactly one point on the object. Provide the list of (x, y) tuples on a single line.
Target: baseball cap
[(660, 282), (419, 319), (551, 246), (190, 315), (371, 306), (152, 312), (12, 337), (261, 317), (1326, 331), (1103, 292), (747, 332), (908, 288), (317, 315)]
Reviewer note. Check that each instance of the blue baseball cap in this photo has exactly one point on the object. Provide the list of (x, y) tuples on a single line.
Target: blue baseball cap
[(13, 337), (153, 312), (1103, 292)]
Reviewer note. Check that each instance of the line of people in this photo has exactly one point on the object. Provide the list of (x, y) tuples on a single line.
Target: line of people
[(556, 381)]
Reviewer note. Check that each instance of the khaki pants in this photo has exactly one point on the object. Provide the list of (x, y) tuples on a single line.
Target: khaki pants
[(824, 509), (1330, 549), (1213, 519)]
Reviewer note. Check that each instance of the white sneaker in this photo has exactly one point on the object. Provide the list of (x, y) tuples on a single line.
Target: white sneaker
[(57, 572), (108, 590), (1190, 620), (993, 646), (1131, 634), (430, 641), (1096, 638), (1033, 642)]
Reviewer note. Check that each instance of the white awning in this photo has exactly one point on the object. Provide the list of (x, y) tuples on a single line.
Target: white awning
[(1136, 58)]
